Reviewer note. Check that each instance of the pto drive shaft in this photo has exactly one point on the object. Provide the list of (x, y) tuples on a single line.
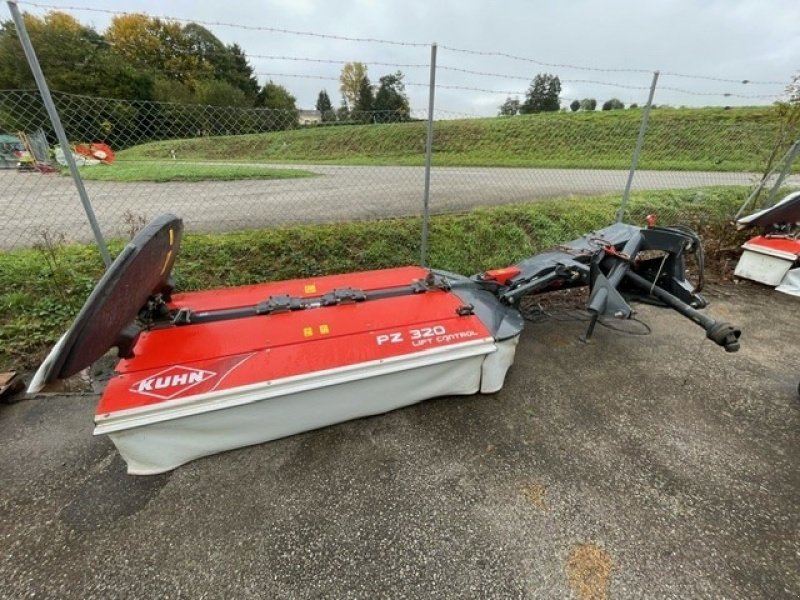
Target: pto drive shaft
[(724, 334)]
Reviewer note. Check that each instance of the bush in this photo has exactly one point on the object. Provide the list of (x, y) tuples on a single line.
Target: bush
[(613, 104)]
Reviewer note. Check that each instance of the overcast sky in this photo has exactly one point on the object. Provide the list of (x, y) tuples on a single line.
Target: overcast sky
[(756, 40)]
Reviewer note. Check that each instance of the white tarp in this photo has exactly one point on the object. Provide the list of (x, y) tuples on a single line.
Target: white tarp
[(791, 283), (80, 160)]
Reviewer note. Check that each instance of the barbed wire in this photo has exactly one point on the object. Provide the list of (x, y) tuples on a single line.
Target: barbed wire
[(314, 34), (521, 78), (455, 70), (522, 93), (220, 107), (603, 69), (340, 62), (722, 79), (720, 94), (269, 75), (458, 113), (540, 62), (301, 76), (408, 83), (498, 54), (207, 53)]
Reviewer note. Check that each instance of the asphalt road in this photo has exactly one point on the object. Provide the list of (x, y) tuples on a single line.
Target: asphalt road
[(31, 203), (645, 467)]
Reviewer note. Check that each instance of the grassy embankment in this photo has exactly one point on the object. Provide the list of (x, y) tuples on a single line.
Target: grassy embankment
[(167, 170), (42, 289), (737, 139)]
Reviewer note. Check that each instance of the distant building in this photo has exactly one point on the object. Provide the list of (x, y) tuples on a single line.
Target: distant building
[(309, 117)]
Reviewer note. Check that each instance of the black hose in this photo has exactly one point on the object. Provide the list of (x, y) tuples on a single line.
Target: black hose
[(698, 250)]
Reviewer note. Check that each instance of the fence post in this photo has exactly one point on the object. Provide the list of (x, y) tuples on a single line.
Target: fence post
[(55, 120), (428, 154), (639, 142), (791, 155), (786, 161)]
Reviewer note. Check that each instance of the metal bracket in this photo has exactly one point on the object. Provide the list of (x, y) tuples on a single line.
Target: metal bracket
[(343, 296), (277, 304)]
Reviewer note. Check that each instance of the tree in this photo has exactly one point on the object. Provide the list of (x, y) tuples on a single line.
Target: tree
[(634, 105), (325, 107), (588, 104), (242, 75), (350, 81), (226, 63), (343, 112), (363, 105), (510, 107), (542, 95), (163, 46), (169, 90), (219, 93), (575, 105), (60, 45), (278, 98), (114, 78), (391, 102), (613, 104), (73, 57), (131, 61)]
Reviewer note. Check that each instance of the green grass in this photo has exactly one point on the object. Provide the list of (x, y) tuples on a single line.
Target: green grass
[(42, 289), (737, 139), (169, 170)]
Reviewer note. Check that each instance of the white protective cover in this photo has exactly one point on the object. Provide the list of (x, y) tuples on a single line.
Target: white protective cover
[(757, 265), (154, 440), (791, 283)]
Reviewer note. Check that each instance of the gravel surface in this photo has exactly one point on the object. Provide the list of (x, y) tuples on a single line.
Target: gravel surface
[(631, 467), (31, 203)]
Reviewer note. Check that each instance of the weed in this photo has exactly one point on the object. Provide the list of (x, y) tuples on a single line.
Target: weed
[(133, 223)]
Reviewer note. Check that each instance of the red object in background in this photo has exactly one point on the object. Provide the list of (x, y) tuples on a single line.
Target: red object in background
[(502, 276), (782, 247), (97, 151)]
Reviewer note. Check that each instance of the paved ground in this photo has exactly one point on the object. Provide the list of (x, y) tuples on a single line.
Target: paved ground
[(31, 203), (658, 466)]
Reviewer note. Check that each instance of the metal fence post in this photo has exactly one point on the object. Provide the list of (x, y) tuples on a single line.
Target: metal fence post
[(55, 120), (639, 142), (428, 153), (786, 162), (791, 155)]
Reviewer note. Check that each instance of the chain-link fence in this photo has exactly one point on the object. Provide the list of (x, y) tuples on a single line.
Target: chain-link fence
[(226, 169), (220, 168), (231, 168), (502, 185)]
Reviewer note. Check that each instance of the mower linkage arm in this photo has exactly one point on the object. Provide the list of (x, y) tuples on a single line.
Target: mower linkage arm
[(619, 263)]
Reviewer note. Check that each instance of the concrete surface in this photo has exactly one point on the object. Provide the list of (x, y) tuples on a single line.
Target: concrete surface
[(31, 203), (644, 467)]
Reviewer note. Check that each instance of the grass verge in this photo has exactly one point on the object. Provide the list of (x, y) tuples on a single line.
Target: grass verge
[(168, 170), (42, 289)]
